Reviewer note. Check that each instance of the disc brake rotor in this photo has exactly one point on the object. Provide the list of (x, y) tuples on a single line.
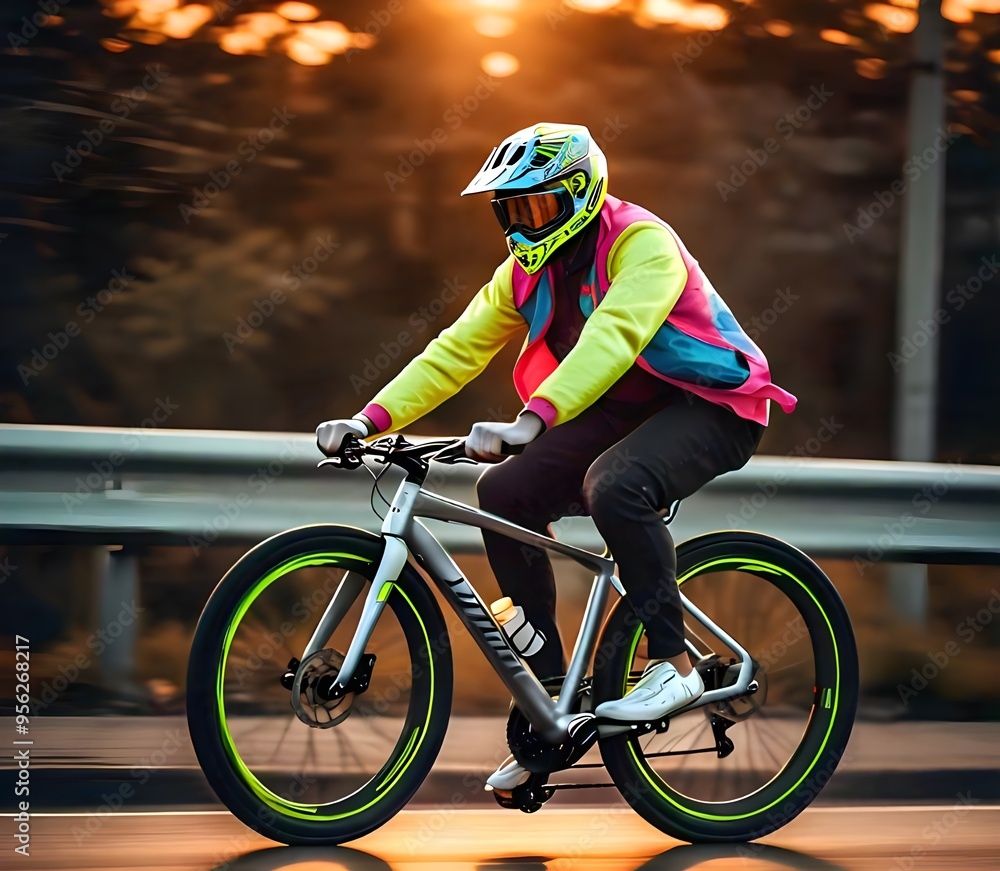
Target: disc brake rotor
[(309, 706)]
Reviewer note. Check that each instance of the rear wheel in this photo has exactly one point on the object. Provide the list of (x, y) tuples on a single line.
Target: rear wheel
[(787, 737), (366, 754)]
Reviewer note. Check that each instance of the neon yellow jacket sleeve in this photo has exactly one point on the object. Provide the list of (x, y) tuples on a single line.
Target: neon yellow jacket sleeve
[(647, 276), (453, 359)]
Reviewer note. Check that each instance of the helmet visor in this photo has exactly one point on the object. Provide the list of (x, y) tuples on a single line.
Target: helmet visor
[(532, 214)]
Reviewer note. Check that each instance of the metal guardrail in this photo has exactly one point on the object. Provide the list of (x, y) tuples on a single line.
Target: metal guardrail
[(190, 487), (90, 486)]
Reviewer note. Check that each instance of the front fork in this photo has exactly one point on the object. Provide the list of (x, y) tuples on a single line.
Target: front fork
[(389, 569)]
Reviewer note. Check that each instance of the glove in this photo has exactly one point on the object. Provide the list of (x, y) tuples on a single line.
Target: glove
[(330, 434), (483, 441)]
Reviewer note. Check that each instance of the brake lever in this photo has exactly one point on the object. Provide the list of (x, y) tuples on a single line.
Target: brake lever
[(453, 455), (339, 462), (348, 456)]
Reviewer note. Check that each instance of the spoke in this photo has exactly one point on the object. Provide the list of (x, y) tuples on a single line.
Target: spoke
[(775, 740), (347, 746), (766, 747), (284, 733), (742, 778), (778, 734), (680, 736), (751, 617), (778, 756), (262, 627), (694, 740), (310, 753), (242, 733), (370, 723), (338, 737), (724, 613), (772, 672)]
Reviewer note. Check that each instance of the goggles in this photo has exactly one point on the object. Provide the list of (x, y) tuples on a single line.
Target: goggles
[(533, 215)]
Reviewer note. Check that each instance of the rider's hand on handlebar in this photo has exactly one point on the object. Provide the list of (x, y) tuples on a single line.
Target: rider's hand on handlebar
[(485, 439), (330, 434)]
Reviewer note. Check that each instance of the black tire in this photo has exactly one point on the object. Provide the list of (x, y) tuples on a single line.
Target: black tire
[(428, 702), (771, 805)]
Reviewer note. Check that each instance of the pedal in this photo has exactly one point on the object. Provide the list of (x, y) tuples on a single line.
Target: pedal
[(526, 797)]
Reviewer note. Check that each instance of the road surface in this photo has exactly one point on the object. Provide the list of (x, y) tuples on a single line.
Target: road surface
[(944, 837)]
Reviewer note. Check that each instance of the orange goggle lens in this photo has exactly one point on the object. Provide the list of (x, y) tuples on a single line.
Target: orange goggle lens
[(530, 210)]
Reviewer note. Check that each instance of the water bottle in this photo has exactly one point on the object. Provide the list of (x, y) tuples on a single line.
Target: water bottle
[(523, 636)]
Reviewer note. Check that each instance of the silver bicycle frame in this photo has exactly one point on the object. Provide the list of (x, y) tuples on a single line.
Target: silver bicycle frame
[(404, 534)]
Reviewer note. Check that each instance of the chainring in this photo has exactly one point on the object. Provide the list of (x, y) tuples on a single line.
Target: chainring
[(533, 750)]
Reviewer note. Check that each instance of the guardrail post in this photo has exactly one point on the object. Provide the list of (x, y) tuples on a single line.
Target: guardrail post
[(117, 601), (908, 592)]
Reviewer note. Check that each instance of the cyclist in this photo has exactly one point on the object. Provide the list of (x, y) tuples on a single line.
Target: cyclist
[(639, 387)]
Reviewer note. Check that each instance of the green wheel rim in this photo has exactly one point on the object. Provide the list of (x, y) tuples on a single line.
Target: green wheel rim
[(830, 701), (398, 768)]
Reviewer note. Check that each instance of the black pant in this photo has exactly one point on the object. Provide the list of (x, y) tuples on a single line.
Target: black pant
[(621, 463)]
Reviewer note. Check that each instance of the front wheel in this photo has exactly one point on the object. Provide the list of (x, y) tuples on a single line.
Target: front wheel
[(363, 757), (787, 738)]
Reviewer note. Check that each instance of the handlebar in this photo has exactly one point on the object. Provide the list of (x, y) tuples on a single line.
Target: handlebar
[(396, 450), (456, 452)]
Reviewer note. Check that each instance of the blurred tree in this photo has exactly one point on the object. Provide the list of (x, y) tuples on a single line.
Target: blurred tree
[(150, 227)]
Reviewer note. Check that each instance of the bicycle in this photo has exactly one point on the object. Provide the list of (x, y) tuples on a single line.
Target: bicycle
[(371, 662)]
